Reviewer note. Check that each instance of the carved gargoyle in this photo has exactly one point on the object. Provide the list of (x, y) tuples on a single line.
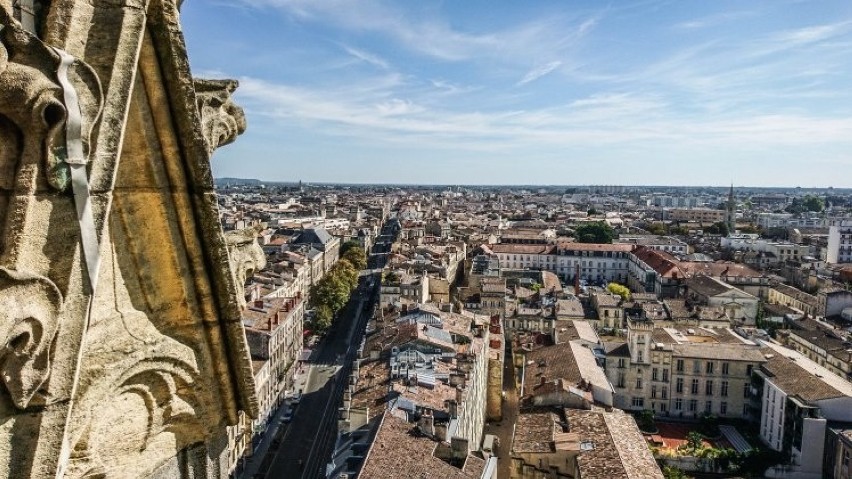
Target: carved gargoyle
[(29, 312), (246, 256), (32, 109), (221, 119)]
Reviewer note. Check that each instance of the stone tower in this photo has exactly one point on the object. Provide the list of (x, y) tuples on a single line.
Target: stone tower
[(123, 351), (731, 212), (640, 333)]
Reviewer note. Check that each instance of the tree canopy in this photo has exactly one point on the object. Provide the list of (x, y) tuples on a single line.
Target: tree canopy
[(345, 247), (808, 203), (330, 294), (597, 232), (620, 290), (356, 256)]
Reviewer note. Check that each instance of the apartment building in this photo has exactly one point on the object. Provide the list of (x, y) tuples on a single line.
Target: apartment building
[(821, 343), (667, 244), (774, 251), (274, 330), (708, 291), (840, 243), (595, 263), (794, 298), (571, 443), (798, 400), (682, 372), (695, 215)]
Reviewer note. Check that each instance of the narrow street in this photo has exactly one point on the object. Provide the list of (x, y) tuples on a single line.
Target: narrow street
[(504, 429), (306, 444)]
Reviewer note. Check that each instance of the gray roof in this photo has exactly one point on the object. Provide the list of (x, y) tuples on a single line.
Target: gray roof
[(313, 236)]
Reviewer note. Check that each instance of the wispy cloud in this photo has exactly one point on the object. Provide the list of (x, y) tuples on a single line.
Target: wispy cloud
[(715, 20), (539, 72), (814, 33), (367, 57)]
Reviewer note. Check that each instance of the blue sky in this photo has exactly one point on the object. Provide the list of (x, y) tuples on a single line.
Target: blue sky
[(683, 92)]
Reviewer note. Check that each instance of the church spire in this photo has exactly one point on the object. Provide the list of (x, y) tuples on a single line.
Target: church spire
[(731, 212)]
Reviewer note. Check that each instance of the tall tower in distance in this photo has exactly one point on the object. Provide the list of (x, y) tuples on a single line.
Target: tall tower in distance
[(731, 212)]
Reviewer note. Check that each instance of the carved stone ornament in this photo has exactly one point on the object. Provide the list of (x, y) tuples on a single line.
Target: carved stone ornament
[(32, 112), (221, 119), (29, 310), (141, 372), (246, 257)]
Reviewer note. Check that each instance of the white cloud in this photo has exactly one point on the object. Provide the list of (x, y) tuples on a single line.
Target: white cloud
[(539, 72), (367, 57)]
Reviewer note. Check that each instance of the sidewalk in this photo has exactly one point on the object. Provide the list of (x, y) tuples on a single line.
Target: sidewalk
[(273, 430)]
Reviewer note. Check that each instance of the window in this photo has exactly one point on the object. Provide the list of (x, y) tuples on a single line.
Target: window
[(663, 407), (708, 407), (745, 390), (723, 408), (639, 357), (665, 392), (665, 375), (654, 375), (708, 387), (696, 366), (693, 405), (694, 386), (621, 362), (710, 366), (638, 402), (678, 404), (724, 388), (620, 379), (679, 385), (639, 382), (653, 392), (679, 366), (748, 370)]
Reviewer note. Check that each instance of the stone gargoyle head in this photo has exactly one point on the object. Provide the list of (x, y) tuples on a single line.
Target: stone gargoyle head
[(32, 107), (222, 120), (29, 320), (246, 258)]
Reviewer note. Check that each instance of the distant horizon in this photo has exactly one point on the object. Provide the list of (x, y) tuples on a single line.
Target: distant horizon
[(521, 185)]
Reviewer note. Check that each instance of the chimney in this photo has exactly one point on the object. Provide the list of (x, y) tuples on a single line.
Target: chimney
[(460, 447)]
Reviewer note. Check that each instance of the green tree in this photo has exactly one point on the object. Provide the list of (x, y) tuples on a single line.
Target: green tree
[(694, 441), (813, 203), (597, 232), (620, 290), (657, 229), (717, 229), (671, 472), (808, 203), (646, 421), (356, 256), (347, 272), (345, 247), (322, 317)]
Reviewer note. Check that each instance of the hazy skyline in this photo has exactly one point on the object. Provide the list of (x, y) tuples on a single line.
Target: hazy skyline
[(654, 92)]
